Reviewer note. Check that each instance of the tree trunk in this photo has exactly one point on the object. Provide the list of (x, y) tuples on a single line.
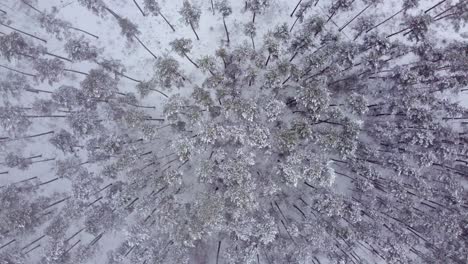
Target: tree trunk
[(268, 59), (356, 16), (11, 241), (23, 248), (167, 21), (156, 90), (30, 6), (144, 46), (84, 31), (226, 29), (58, 202), (294, 56), (292, 13), (17, 71), (188, 58), (68, 250), (212, 7), (386, 20), (79, 72), (25, 33), (253, 42), (74, 235), (47, 182), (396, 33), (3, 11), (434, 6), (57, 56), (253, 18), (217, 253), (292, 27), (191, 25), (139, 8)]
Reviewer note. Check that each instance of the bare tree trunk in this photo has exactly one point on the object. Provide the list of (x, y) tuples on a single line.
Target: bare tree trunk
[(217, 253), (434, 6), (11, 241), (188, 58), (68, 250), (74, 235), (167, 21), (292, 13), (356, 16), (17, 71), (226, 29), (253, 42), (3, 11), (79, 72), (191, 25), (30, 6), (268, 59), (212, 7), (144, 46), (33, 242), (139, 8), (292, 27), (57, 56), (398, 32), (25, 33), (84, 31), (156, 90), (386, 20), (253, 18)]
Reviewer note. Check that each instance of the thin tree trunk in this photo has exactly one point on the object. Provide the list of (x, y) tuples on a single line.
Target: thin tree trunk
[(253, 42), (17, 71), (212, 7), (25, 33), (84, 31), (292, 27), (268, 59), (74, 235), (294, 56), (144, 46), (217, 253), (396, 33), (3, 11), (32, 7), (30, 244), (253, 18), (47, 182), (58, 202), (68, 250), (191, 25), (139, 8), (226, 29), (57, 56), (356, 16), (25, 253), (448, 9), (292, 13), (38, 135), (4, 172), (156, 90), (188, 58), (38, 91), (79, 72), (167, 21), (386, 20), (434, 6), (12, 241)]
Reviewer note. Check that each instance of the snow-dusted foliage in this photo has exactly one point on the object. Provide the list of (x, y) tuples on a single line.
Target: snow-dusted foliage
[(258, 131)]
